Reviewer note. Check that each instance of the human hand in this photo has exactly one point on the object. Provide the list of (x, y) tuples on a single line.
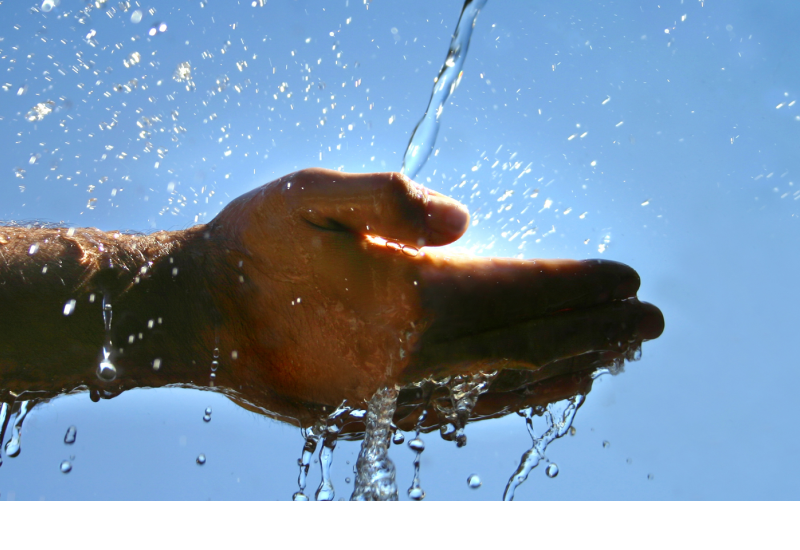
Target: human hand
[(322, 311)]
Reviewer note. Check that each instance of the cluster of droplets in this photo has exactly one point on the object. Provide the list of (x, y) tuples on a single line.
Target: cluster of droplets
[(214, 367), (559, 417), (455, 407)]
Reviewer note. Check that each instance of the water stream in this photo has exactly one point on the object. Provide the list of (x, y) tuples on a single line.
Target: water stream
[(375, 471), (423, 139), (559, 417)]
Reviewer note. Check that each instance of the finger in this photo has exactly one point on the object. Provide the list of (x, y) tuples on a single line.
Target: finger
[(532, 344), (470, 295), (385, 204)]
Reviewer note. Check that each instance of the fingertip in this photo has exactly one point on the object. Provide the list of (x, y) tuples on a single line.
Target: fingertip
[(446, 218), (628, 286), (651, 324)]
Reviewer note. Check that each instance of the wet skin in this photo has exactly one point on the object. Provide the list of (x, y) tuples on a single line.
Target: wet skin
[(317, 288)]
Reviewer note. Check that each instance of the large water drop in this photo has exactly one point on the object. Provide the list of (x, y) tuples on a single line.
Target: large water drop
[(69, 437), (106, 370)]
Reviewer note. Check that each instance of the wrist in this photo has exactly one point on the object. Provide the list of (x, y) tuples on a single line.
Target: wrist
[(53, 287)]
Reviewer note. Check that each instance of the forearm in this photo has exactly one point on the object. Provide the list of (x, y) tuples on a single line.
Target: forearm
[(53, 286)]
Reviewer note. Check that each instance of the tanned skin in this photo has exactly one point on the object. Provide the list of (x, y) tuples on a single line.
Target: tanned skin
[(290, 291)]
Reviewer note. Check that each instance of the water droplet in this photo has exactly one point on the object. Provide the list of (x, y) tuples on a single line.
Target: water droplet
[(69, 437), (33, 249), (206, 418), (201, 459), (136, 16), (416, 445), (347, 480), (156, 364), (650, 476), (299, 497), (398, 437), (48, 5), (208, 411), (106, 370), (12, 447), (629, 461), (416, 493), (214, 366), (572, 430), (69, 307), (606, 444), (551, 470), (66, 466), (474, 481)]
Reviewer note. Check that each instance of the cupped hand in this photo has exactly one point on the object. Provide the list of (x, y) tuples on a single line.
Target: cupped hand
[(336, 289)]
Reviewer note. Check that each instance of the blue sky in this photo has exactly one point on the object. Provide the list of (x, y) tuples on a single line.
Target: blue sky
[(662, 135)]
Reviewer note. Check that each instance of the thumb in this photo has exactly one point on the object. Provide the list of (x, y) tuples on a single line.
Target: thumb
[(388, 205)]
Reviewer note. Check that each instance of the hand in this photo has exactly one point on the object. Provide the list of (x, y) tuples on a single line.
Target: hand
[(321, 310)]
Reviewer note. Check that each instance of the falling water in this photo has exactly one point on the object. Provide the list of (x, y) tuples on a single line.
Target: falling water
[(13, 446), (457, 406), (326, 490), (309, 446), (564, 411), (415, 492), (423, 139), (106, 370), (3, 419), (375, 472)]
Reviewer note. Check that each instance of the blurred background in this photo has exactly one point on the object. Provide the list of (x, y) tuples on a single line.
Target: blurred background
[(660, 134)]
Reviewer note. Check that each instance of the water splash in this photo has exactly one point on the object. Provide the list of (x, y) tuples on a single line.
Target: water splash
[(559, 417), (375, 472), (457, 406), (423, 138)]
